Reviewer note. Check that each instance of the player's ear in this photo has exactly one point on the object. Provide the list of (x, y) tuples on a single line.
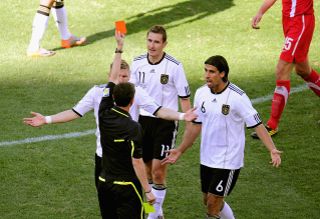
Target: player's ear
[(222, 74), (165, 43)]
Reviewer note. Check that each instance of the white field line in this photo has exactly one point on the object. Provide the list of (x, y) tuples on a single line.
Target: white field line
[(92, 131)]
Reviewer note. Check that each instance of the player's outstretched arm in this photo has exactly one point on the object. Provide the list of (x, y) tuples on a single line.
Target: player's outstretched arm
[(267, 141), (38, 119), (169, 114), (191, 133), (263, 9)]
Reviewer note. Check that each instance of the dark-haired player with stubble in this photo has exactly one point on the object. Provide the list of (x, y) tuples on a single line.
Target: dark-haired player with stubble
[(224, 110)]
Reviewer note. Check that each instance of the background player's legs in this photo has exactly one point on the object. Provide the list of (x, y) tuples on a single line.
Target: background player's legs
[(148, 165), (39, 26), (281, 93), (214, 204), (60, 16), (159, 173), (226, 212), (304, 70)]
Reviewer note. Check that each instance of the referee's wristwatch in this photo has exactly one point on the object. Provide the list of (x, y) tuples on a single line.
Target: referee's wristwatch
[(118, 51)]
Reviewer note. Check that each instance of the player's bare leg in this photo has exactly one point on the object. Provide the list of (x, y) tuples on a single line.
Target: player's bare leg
[(148, 166), (304, 70), (159, 173), (214, 205), (39, 26)]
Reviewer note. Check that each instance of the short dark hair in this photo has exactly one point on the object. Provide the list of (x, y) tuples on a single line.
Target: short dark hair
[(160, 30), (220, 63), (123, 93)]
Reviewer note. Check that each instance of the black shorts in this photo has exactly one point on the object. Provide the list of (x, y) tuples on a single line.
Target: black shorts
[(219, 182), (120, 200), (159, 136)]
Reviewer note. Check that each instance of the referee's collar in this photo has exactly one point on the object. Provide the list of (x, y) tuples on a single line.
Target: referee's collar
[(120, 111)]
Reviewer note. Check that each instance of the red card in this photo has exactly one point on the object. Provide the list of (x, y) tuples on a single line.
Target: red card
[(121, 26)]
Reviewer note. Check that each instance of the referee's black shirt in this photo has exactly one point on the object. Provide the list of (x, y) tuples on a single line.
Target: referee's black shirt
[(120, 139)]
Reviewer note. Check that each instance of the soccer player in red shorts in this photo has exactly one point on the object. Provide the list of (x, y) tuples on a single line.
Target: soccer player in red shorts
[(40, 23), (298, 26)]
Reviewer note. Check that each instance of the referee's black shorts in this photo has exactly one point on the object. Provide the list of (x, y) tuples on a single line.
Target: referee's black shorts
[(159, 136), (120, 200)]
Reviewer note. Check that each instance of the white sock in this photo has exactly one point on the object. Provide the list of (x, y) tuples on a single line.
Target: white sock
[(226, 212), (61, 19), (160, 196), (39, 26)]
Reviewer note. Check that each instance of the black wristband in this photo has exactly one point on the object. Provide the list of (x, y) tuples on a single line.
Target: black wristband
[(147, 192), (118, 51)]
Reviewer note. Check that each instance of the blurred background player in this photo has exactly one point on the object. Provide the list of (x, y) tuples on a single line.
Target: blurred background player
[(40, 23), (298, 26), (164, 79)]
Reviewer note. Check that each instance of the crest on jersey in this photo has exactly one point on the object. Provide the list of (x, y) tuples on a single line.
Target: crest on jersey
[(225, 109), (164, 79), (106, 92)]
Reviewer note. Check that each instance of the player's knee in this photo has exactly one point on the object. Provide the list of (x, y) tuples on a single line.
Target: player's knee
[(283, 70), (47, 3), (302, 71), (58, 4)]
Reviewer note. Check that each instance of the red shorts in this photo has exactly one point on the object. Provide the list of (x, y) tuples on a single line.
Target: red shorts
[(298, 33)]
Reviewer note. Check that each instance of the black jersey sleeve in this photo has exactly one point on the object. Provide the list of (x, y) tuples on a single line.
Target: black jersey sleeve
[(107, 99)]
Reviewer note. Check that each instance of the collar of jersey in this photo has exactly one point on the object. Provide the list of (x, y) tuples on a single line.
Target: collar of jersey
[(164, 54), (120, 111), (227, 85)]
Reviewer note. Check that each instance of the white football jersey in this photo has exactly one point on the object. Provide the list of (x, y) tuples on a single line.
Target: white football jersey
[(165, 81), (92, 99), (223, 117)]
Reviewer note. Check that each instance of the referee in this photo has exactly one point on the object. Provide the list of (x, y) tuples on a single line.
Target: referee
[(123, 173)]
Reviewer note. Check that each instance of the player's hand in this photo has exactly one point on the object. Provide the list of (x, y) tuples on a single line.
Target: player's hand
[(172, 158), (119, 38), (275, 157), (150, 198), (190, 115), (36, 121), (255, 21)]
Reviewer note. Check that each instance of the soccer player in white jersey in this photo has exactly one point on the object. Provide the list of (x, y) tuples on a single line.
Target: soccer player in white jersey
[(92, 100), (164, 79), (224, 110), (40, 23)]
